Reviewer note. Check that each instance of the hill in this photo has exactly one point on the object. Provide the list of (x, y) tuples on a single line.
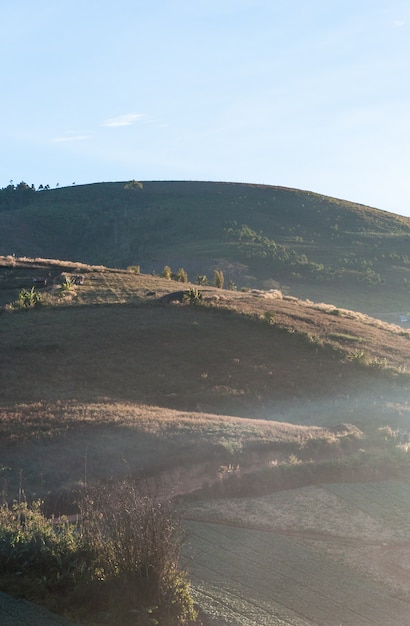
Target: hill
[(304, 243), (224, 401), (234, 352), (105, 366)]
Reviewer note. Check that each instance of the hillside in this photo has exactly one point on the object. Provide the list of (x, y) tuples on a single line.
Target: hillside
[(108, 347), (109, 374), (306, 244), (239, 353)]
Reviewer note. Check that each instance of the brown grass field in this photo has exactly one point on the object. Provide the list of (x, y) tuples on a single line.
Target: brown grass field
[(104, 360), (103, 381)]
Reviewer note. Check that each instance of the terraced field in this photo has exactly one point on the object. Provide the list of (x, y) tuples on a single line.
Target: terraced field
[(332, 555)]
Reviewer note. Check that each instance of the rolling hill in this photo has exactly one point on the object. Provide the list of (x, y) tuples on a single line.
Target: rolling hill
[(306, 244), (104, 367), (238, 352), (280, 388)]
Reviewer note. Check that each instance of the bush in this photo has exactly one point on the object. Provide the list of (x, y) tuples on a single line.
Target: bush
[(66, 286), (38, 557), (193, 296), (201, 279), (136, 542), (27, 299), (120, 563)]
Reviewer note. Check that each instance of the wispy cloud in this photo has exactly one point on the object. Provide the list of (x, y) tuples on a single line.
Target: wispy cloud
[(69, 136), (123, 120), (398, 23)]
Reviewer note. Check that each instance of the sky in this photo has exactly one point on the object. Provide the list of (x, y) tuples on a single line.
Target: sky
[(308, 94)]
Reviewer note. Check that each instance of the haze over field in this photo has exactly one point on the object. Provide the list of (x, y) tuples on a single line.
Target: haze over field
[(260, 415), (204, 312), (306, 95)]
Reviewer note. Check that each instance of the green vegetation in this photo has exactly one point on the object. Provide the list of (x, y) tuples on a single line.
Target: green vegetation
[(201, 279), (27, 299), (66, 286), (38, 557), (311, 245), (15, 197), (240, 394), (133, 185), (180, 276), (193, 296), (120, 562), (166, 272)]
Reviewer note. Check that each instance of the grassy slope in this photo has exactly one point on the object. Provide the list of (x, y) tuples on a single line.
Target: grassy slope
[(240, 353), (185, 224), (106, 380)]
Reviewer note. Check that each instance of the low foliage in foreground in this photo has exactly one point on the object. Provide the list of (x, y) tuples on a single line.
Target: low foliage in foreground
[(119, 564)]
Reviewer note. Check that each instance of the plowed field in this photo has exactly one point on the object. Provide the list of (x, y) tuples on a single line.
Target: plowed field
[(332, 555)]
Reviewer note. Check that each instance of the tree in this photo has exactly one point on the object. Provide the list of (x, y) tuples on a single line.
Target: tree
[(181, 275), (166, 272), (16, 197), (219, 279), (133, 185)]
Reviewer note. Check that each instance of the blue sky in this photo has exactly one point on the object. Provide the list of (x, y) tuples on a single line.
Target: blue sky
[(308, 94)]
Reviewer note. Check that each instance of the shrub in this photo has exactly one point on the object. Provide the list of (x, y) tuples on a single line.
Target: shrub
[(38, 558), (193, 296), (201, 279), (269, 317), (27, 299), (120, 563), (66, 286), (136, 542), (219, 279)]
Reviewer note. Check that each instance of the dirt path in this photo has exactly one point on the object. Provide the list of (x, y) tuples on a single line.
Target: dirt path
[(14, 612)]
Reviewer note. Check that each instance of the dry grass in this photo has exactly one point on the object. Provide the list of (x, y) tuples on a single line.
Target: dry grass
[(301, 511), (80, 378), (49, 447)]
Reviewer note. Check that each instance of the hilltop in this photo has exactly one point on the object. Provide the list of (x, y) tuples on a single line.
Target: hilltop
[(306, 244)]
